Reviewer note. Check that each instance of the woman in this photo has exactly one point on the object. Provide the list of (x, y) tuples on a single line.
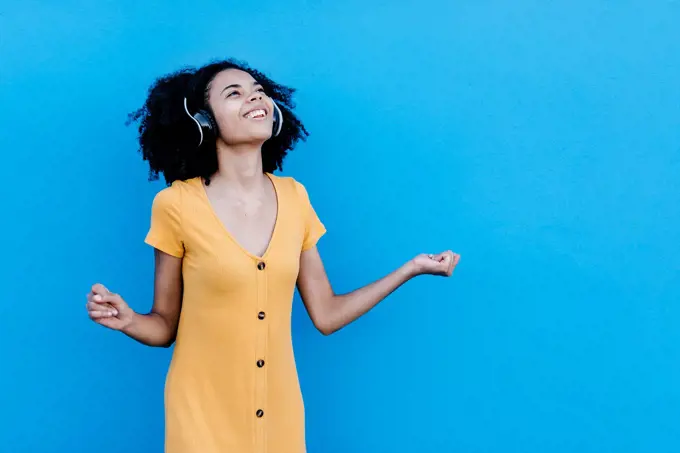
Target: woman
[(231, 243)]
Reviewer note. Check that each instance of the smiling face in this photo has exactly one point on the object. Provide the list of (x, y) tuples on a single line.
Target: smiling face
[(242, 110)]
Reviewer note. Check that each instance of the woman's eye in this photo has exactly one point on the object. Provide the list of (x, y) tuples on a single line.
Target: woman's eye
[(232, 93)]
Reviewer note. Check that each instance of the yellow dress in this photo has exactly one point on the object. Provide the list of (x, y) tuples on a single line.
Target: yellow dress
[(232, 385)]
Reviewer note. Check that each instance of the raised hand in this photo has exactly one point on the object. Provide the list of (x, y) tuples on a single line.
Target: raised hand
[(108, 309), (441, 264)]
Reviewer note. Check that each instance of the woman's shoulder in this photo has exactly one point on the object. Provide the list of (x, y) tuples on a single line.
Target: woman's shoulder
[(171, 195), (296, 187)]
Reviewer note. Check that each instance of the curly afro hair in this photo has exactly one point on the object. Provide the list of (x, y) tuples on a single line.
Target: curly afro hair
[(167, 135)]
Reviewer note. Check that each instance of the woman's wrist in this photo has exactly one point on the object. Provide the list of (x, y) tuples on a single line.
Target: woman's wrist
[(410, 269), (132, 323)]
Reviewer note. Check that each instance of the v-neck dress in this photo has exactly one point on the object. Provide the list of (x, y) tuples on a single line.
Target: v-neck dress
[(232, 384)]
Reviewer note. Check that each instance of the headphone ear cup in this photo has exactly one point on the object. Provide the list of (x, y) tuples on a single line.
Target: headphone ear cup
[(207, 123), (278, 120), (207, 127)]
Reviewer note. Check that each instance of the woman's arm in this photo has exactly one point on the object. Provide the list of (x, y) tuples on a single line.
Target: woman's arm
[(159, 326), (331, 312)]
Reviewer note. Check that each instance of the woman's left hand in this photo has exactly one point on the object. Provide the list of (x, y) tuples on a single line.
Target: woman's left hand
[(441, 264)]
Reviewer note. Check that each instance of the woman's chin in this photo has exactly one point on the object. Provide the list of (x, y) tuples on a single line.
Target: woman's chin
[(260, 136), (253, 140)]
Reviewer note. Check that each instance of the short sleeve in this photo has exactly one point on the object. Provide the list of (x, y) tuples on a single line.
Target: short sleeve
[(314, 229), (165, 231)]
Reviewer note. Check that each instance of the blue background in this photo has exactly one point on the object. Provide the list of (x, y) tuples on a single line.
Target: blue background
[(540, 140)]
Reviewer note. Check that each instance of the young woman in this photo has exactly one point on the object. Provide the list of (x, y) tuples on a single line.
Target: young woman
[(231, 243)]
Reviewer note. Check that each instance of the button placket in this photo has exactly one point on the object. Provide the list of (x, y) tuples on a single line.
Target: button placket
[(261, 353)]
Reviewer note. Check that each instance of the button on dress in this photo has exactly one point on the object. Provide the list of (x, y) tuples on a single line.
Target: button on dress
[(232, 384)]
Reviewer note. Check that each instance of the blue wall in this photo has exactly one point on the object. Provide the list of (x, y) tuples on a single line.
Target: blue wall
[(541, 140)]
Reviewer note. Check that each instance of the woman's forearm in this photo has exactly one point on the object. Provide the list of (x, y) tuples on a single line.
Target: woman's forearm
[(342, 309), (151, 329)]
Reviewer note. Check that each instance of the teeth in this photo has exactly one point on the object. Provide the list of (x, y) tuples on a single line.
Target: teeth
[(256, 114)]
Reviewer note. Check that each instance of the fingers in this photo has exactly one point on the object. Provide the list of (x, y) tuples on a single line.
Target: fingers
[(101, 303), (101, 294), (96, 297), (448, 260), (441, 263), (99, 289), (445, 261), (441, 257), (97, 310), (453, 261), (438, 257), (111, 298)]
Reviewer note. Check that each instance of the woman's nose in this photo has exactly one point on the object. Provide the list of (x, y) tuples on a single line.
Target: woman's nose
[(255, 97)]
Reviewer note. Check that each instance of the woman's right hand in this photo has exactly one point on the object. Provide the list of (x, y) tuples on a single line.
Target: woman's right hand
[(108, 309)]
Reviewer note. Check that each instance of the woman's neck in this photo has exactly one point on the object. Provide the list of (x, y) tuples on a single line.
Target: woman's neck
[(239, 167)]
